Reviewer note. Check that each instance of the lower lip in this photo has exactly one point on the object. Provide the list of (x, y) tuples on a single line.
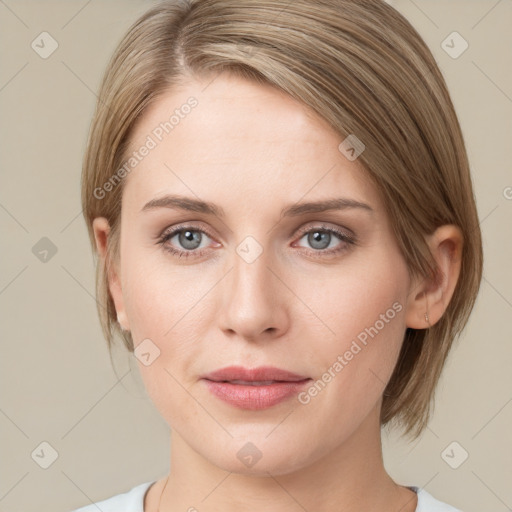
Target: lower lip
[(255, 398)]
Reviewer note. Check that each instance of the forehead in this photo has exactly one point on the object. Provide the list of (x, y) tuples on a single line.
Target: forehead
[(234, 133)]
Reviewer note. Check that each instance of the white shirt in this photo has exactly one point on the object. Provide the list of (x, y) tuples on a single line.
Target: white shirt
[(133, 501)]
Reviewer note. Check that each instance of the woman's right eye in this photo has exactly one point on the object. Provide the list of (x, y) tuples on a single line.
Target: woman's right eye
[(188, 241)]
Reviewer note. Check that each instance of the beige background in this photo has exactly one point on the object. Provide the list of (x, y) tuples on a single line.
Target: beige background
[(57, 385)]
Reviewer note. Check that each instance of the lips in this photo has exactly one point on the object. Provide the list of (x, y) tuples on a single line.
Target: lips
[(254, 389), (264, 375)]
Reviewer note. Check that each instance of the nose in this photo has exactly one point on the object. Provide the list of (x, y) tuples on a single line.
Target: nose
[(254, 302)]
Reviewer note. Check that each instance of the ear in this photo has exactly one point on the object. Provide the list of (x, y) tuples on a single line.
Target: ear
[(429, 298), (101, 230)]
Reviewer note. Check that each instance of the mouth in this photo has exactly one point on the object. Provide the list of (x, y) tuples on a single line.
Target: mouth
[(254, 389), (254, 382), (262, 375)]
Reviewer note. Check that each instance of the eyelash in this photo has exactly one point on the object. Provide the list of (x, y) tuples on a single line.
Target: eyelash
[(344, 237)]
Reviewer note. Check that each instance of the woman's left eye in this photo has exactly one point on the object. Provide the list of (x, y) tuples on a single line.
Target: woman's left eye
[(323, 239)]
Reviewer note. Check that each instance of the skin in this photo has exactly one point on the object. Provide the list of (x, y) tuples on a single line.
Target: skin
[(252, 150)]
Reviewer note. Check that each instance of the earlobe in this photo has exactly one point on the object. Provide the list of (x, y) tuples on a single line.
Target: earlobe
[(101, 230), (430, 297)]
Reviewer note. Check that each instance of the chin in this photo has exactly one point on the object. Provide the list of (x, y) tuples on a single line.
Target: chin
[(261, 458)]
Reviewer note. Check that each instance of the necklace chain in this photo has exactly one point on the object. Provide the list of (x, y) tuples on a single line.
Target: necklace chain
[(160, 500)]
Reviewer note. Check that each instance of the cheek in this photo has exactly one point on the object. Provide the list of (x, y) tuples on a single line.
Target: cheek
[(158, 296), (168, 316), (364, 308)]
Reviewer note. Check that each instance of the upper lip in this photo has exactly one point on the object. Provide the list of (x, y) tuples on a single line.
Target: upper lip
[(262, 373)]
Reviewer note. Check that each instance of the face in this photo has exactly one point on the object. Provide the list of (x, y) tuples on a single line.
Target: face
[(261, 278)]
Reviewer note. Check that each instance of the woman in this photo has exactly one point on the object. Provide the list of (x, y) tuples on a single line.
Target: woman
[(280, 199)]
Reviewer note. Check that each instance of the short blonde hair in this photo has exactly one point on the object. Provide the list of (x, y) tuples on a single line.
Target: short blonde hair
[(361, 66)]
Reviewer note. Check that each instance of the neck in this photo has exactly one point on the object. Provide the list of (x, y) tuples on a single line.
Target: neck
[(349, 478)]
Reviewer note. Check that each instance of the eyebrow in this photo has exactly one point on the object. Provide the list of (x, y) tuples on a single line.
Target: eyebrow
[(196, 205)]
